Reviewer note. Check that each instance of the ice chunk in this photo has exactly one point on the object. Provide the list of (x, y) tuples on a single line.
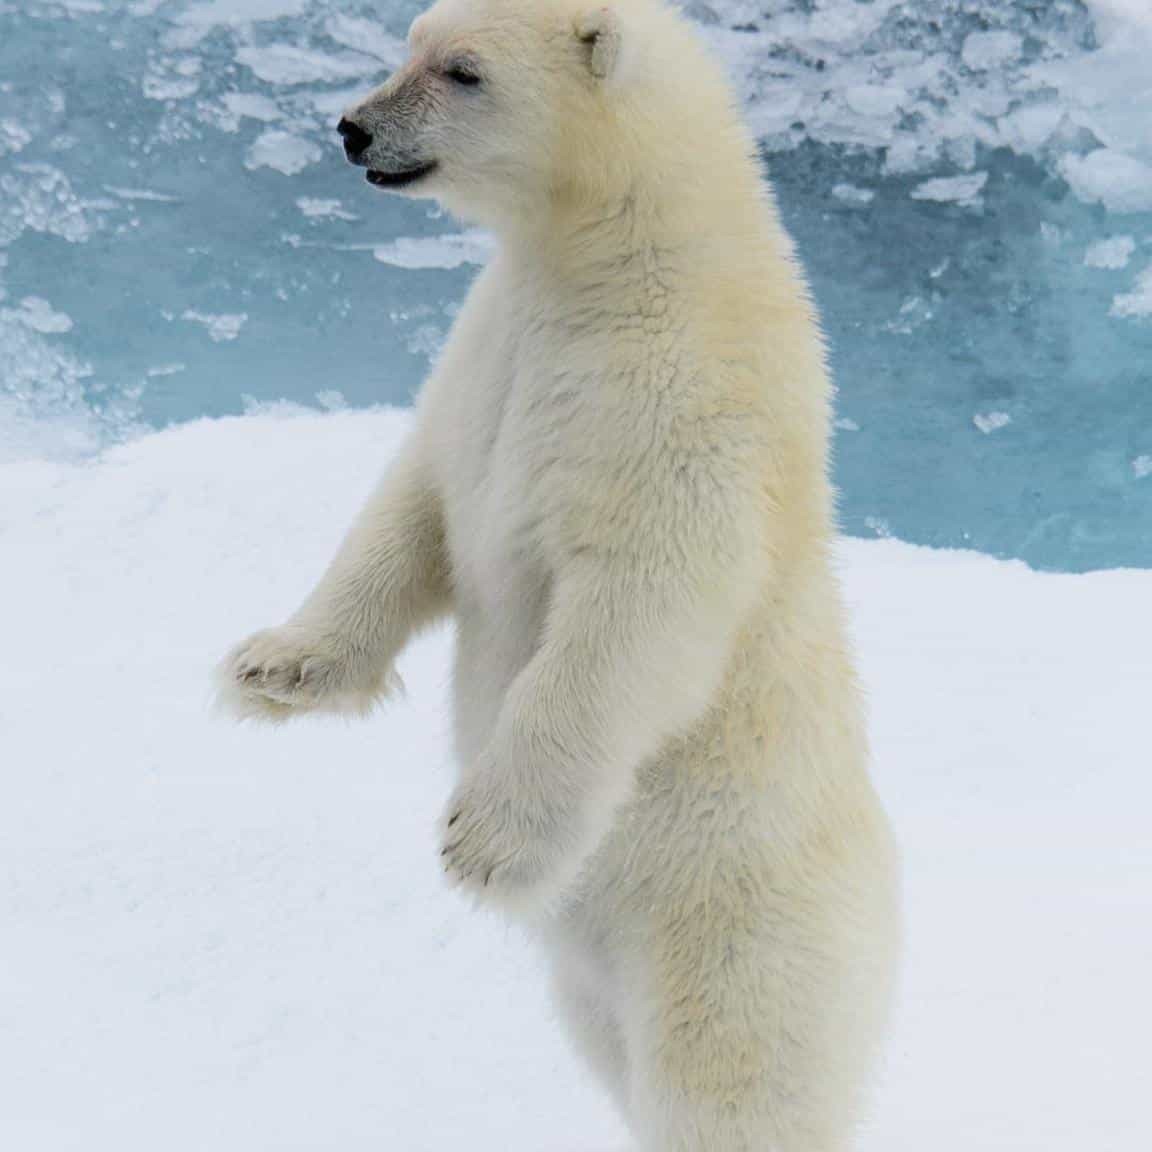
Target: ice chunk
[(367, 36), (1136, 304), (282, 151), (254, 105), (320, 209), (1120, 182), (1028, 128), (14, 137), (449, 251), (289, 64), (172, 78), (1113, 252), (40, 198), (239, 12), (220, 326), (961, 190), (984, 50), (850, 194), (875, 99), (36, 313), (141, 194), (991, 421)]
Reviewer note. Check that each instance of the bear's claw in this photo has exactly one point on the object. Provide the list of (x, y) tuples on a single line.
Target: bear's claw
[(279, 672)]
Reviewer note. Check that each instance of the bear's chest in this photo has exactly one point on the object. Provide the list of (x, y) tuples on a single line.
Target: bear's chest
[(507, 420)]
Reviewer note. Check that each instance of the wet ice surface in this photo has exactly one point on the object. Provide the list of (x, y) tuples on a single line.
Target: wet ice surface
[(970, 184)]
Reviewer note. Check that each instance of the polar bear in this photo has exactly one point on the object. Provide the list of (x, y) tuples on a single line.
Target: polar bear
[(616, 483)]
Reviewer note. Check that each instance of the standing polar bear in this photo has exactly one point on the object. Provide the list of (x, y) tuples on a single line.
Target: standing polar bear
[(617, 484)]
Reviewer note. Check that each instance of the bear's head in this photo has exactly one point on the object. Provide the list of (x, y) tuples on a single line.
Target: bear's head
[(507, 105)]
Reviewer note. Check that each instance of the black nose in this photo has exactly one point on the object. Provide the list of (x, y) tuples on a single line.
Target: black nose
[(356, 140)]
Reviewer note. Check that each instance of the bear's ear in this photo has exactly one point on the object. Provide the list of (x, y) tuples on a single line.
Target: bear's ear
[(599, 34)]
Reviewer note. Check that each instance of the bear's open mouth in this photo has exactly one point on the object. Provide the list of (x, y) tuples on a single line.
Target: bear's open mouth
[(399, 179)]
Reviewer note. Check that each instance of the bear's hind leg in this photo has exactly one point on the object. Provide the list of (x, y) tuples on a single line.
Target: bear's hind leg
[(755, 1041), (594, 1032)]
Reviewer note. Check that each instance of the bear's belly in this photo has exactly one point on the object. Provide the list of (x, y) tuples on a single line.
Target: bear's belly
[(498, 454), (501, 591)]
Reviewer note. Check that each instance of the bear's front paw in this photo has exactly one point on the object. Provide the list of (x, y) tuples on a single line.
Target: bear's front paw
[(279, 672), (505, 840)]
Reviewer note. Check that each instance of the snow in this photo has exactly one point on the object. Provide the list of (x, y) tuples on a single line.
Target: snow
[(237, 939)]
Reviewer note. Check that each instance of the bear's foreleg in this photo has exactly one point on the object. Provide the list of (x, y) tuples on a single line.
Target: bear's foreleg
[(389, 578), (633, 650)]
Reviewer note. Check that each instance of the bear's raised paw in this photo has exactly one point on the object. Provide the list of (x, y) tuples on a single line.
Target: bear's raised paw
[(280, 672)]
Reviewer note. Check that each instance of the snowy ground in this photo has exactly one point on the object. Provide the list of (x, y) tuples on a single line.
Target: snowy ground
[(237, 940)]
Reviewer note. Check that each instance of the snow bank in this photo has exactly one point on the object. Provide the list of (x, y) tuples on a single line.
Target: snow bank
[(237, 939)]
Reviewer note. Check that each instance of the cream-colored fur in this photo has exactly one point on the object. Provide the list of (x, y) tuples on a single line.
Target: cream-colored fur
[(617, 484)]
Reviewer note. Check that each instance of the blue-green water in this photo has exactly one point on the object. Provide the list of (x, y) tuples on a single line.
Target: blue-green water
[(180, 237)]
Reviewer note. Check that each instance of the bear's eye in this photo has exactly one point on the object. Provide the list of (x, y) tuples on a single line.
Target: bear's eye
[(462, 74)]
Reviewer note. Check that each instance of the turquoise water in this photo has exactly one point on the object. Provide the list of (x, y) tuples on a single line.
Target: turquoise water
[(180, 237)]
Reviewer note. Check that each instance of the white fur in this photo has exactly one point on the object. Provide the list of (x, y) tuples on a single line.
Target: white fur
[(617, 484)]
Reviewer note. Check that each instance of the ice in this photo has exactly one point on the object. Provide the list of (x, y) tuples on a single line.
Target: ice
[(174, 78), (991, 421), (320, 209), (984, 50), (220, 326), (14, 137), (166, 369), (254, 105), (962, 190), (164, 158), (141, 194), (1112, 253), (238, 12), (37, 314), (1121, 183), (283, 151), (40, 198), (238, 939), (850, 194), (446, 251), (367, 36), (288, 64), (1138, 302)]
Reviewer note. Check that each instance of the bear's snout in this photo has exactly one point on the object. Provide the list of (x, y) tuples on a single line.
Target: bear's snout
[(356, 140)]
